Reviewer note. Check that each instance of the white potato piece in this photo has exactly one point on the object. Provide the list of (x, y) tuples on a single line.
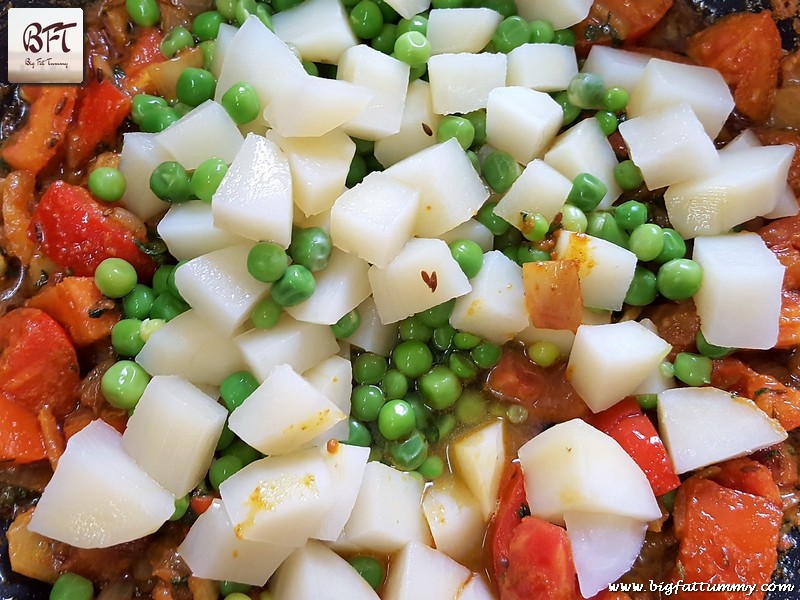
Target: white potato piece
[(188, 230), (605, 270), (422, 573), (254, 199), (423, 275), (561, 14), (461, 81), (476, 589), (454, 517), (748, 184), (319, 29), (703, 426), (98, 496), (140, 155), (190, 139), (417, 127), (295, 343), (521, 121), (173, 432), (314, 572), (604, 547), (618, 68), (608, 362), (372, 335), (346, 464), (583, 148), (333, 377), (542, 67), (574, 467), (212, 550), (495, 308), (665, 83), (387, 514), (684, 150), (319, 167), (220, 288), (375, 218), (387, 78), (539, 189), (192, 348), (450, 190), (279, 499), (478, 459), (740, 266), (341, 287), (471, 230), (409, 8), (461, 29), (224, 38)]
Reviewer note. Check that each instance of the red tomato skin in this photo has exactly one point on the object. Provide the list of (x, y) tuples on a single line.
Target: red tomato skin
[(512, 505), (101, 109), (75, 232), (20, 433)]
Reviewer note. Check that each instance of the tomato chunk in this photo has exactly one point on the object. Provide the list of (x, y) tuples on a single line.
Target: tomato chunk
[(17, 197), (783, 463), (38, 364), (747, 475), (726, 536), (20, 433), (101, 109), (78, 233), (614, 21), (511, 508), (632, 430)]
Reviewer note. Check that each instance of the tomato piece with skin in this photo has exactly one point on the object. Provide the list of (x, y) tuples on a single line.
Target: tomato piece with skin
[(746, 475), (101, 109), (21, 439), (782, 461), (614, 21), (78, 233), (511, 508), (630, 427)]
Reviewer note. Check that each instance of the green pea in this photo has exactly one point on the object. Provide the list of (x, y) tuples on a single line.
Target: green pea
[(206, 25), (438, 315), (512, 253), (366, 402), (529, 253), (266, 314), (347, 325), (544, 353), (170, 182), (586, 90), (674, 246), (144, 13), (604, 226), (226, 8), (366, 19), (500, 171), (413, 328), (564, 37), (167, 306), (668, 500), (359, 434), (236, 388), (573, 219), (207, 177), (241, 103), (534, 227), (107, 184), (460, 128), (643, 288), (443, 337), (226, 438), (693, 369), (646, 241), (244, 8), (296, 285), (311, 68), (511, 237), (181, 506), (489, 219), (464, 340), (71, 586), (631, 214), (311, 247), (448, 3), (176, 40), (232, 587), (470, 408), (615, 99), (468, 255), (158, 119), (517, 414), (242, 596), (679, 278), (412, 358), (357, 172), (137, 303), (542, 32), (394, 384), (149, 327), (607, 121), (628, 176), (647, 401), (570, 111), (267, 261), (511, 33), (445, 424), (418, 23), (710, 350), (115, 277), (431, 468), (222, 468), (396, 419), (587, 192), (281, 5), (370, 569), (141, 104), (369, 368), (506, 8), (410, 453), (478, 120), (125, 337), (413, 48), (123, 384), (195, 86), (243, 451), (386, 38), (462, 365), (486, 354), (440, 387)]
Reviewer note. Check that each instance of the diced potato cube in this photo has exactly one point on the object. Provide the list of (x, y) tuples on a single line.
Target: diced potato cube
[(347, 464), (521, 121), (461, 29), (387, 514), (608, 362), (173, 432), (476, 589), (583, 148), (212, 550), (298, 344), (422, 573), (738, 266), (372, 335), (140, 155), (375, 219), (408, 8), (333, 377), (454, 517), (224, 38), (319, 29), (664, 83), (423, 275), (542, 67), (539, 189), (471, 230), (605, 270), (495, 308), (479, 458), (704, 426), (563, 14), (254, 199), (450, 190), (461, 82), (684, 150), (387, 78), (417, 128), (618, 68), (188, 230)]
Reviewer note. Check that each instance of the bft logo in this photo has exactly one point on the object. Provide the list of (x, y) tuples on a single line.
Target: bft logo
[(45, 45)]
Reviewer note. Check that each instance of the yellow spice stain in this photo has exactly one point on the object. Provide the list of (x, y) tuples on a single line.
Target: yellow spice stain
[(268, 496), (314, 423), (473, 308), (579, 250)]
